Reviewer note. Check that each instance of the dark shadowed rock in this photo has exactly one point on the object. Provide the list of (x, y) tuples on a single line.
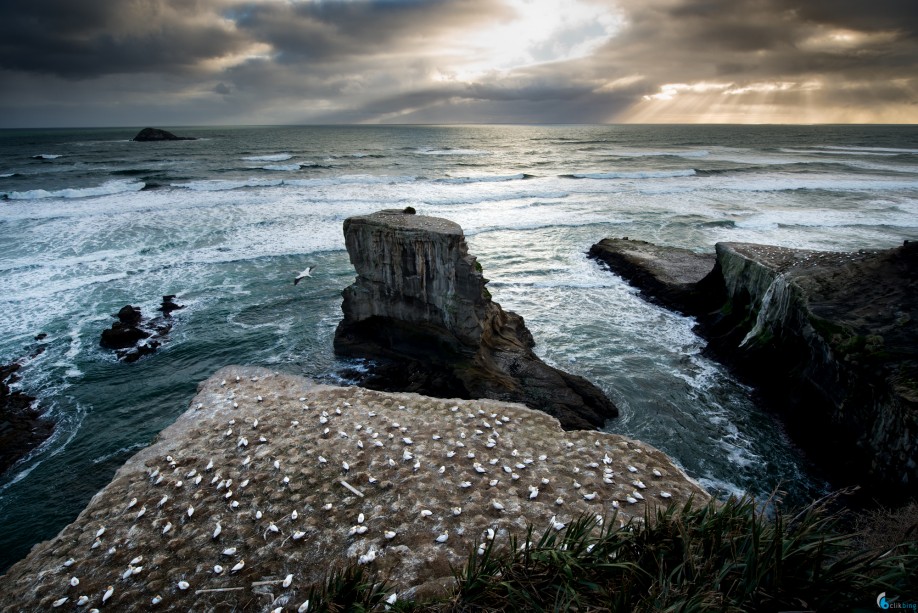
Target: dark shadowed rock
[(830, 339), (22, 426), (669, 276), (155, 134), (131, 337), (419, 306)]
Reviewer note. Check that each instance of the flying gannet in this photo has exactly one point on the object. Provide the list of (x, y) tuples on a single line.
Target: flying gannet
[(306, 273)]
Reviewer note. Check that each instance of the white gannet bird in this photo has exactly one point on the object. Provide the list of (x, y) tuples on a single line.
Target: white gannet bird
[(304, 274)]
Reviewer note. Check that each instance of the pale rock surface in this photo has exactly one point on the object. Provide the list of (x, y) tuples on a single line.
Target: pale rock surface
[(394, 446)]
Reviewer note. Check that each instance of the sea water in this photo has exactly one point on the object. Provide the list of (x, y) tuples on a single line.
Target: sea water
[(91, 221)]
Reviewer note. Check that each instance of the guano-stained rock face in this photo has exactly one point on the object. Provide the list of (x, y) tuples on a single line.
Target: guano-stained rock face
[(270, 476), (420, 305), (831, 339)]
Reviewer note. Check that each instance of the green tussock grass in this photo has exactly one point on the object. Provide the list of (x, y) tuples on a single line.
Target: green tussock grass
[(731, 556)]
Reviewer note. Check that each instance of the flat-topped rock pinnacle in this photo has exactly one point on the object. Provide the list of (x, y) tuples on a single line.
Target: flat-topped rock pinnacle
[(420, 309)]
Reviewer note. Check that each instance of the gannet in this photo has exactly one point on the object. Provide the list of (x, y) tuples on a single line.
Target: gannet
[(108, 593), (306, 273)]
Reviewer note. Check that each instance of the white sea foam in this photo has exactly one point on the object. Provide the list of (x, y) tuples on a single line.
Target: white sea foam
[(641, 174), (485, 178), (282, 167), (896, 150), (837, 151), (212, 185), (7, 175), (627, 153), (108, 188), (46, 156), (449, 151), (276, 157)]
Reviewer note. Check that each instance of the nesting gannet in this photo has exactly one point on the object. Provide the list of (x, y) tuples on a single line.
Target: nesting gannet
[(156, 599), (183, 585), (229, 551), (657, 473), (298, 535), (287, 580), (69, 562), (59, 602), (665, 495), (239, 566), (82, 600), (426, 513), (136, 561), (443, 537), (108, 593), (306, 273), (389, 534), (303, 607)]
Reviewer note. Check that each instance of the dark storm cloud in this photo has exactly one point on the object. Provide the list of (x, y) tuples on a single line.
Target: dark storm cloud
[(396, 60), (91, 38), (323, 30)]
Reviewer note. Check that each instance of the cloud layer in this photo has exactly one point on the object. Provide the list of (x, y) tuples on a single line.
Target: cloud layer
[(171, 62)]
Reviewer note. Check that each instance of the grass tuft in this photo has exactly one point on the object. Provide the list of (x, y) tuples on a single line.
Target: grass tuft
[(732, 556)]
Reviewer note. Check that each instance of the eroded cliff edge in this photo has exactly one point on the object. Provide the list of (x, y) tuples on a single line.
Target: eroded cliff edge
[(419, 305), (830, 339)]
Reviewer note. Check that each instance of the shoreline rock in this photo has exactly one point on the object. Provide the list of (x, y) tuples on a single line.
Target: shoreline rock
[(148, 135), (829, 339), (343, 494), (23, 426), (419, 306)]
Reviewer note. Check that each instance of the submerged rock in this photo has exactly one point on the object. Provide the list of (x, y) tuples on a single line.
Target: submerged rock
[(830, 339), (132, 338), (155, 134), (252, 456), (420, 307)]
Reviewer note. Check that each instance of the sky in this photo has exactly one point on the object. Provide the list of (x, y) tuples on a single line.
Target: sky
[(223, 62)]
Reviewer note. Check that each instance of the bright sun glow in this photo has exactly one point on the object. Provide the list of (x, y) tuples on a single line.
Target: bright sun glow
[(541, 31)]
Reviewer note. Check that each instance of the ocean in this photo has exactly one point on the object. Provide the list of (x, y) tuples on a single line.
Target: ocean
[(91, 221)]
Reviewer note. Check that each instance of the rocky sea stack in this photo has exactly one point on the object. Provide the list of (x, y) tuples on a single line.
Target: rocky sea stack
[(420, 309), (148, 135), (830, 339)]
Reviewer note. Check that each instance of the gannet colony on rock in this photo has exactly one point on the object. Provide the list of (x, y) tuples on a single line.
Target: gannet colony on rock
[(271, 517)]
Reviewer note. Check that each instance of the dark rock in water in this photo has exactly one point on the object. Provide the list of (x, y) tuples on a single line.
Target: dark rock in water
[(129, 315), (22, 427), (169, 305), (830, 340), (132, 338), (155, 134), (419, 306), (671, 277)]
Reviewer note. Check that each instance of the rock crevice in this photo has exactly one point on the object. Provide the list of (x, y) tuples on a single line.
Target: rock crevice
[(420, 307)]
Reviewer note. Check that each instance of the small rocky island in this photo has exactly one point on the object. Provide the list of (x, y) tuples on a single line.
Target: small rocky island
[(148, 135), (132, 336), (830, 339), (420, 309)]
